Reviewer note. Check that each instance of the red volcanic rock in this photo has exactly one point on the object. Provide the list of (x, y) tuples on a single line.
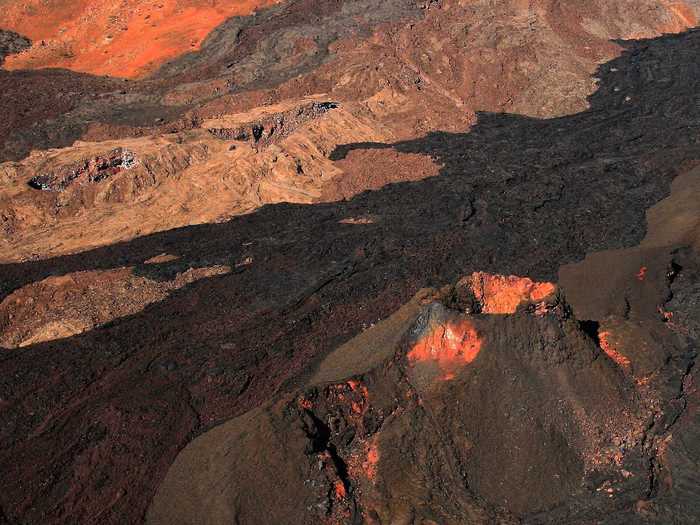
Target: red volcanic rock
[(609, 348), (530, 415), (454, 343), (449, 345), (105, 37), (500, 294)]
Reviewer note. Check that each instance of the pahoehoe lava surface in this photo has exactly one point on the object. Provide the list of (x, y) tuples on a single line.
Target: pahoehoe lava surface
[(91, 424)]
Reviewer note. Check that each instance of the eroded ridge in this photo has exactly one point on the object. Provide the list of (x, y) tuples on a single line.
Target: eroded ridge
[(455, 393)]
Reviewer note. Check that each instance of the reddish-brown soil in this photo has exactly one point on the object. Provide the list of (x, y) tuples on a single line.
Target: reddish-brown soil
[(121, 39)]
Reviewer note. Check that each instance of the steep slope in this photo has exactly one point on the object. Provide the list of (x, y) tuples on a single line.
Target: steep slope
[(485, 401), (455, 417)]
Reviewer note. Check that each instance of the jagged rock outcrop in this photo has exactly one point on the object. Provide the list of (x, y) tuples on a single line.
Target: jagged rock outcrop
[(130, 187), (450, 417)]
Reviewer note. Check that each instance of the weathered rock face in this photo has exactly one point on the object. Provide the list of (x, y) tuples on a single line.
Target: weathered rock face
[(95, 169), (272, 125), (206, 317)]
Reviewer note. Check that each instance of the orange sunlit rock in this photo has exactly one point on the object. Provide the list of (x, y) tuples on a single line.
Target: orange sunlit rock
[(370, 464), (339, 490), (641, 275), (501, 294), (610, 350), (450, 345), (670, 323), (360, 405), (683, 17), (105, 37), (306, 404), (362, 464)]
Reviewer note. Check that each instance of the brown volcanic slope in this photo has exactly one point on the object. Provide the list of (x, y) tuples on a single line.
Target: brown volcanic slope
[(206, 319)]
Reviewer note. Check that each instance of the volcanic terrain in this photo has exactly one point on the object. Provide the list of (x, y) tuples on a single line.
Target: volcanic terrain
[(349, 261)]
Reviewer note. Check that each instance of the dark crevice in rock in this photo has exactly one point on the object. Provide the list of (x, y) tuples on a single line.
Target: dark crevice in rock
[(320, 435), (91, 170), (591, 328), (274, 127)]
